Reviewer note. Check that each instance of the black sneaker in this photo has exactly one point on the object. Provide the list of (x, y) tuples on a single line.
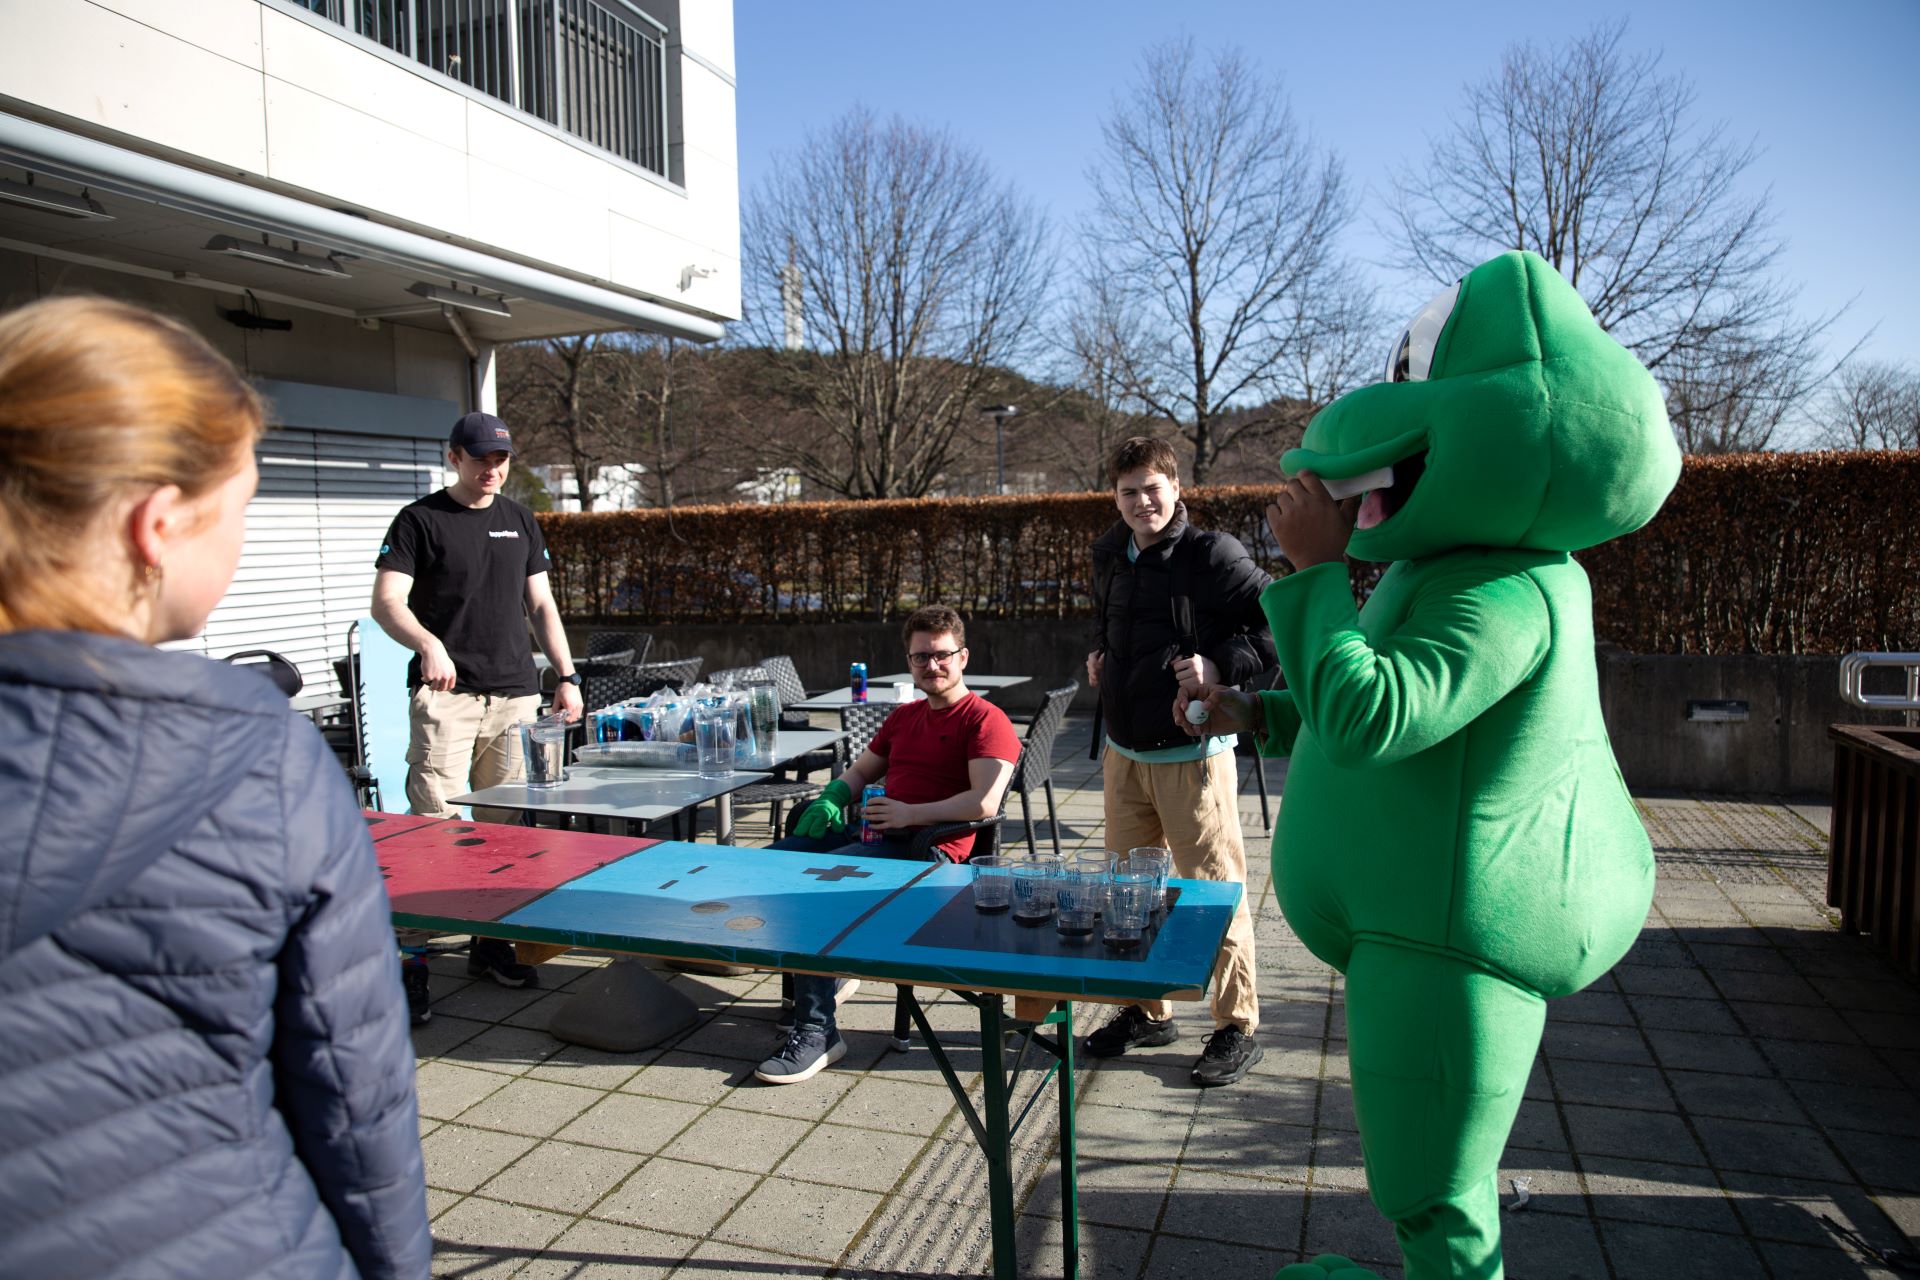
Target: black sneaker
[(1130, 1029), (493, 958), (802, 1057), (1229, 1055), (413, 976)]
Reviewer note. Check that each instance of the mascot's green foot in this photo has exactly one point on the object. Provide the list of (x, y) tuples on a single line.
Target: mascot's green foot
[(1327, 1266)]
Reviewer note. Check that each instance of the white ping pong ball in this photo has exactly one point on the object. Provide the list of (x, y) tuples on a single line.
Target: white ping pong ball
[(1196, 713)]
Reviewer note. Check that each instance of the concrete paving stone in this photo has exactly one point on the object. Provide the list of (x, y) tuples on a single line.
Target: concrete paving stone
[(427, 1125), (1309, 987), (1337, 1021), (1612, 1084), (1345, 1222), (1336, 1106), (1183, 1257), (1130, 1083), (1247, 1211), (506, 1049), (538, 1012), (1293, 1017), (1781, 1208), (592, 1068), (1690, 1051), (818, 1222), (1295, 1057), (1640, 1249), (1106, 1252), (1757, 1147), (859, 1158), (809, 1100), (1663, 1194), (631, 1122), (1903, 1066), (1793, 1022), (688, 1077), (1885, 1162), (486, 1002), (438, 1202), (730, 1036), (483, 1237), (724, 1260), (894, 1106), (1338, 1161), (1556, 1246), (1738, 1097), (1830, 1262), (1885, 1030), (1680, 979), (1593, 1006), (671, 1195), (1538, 1127), (1614, 1131), (1773, 988), (1670, 1013), (1831, 1063), (917, 1065), (446, 1090), (1895, 1112), (562, 1176), (1234, 1144), (738, 1140), (1552, 1184), (1284, 1100), (1111, 1193), (533, 1107), (1800, 915), (595, 1250), (1904, 1211), (1539, 1084), (1658, 948), (1595, 1042), (1854, 960), (1696, 935), (1123, 1133), (443, 1033), (461, 1159), (1706, 909), (1724, 958)]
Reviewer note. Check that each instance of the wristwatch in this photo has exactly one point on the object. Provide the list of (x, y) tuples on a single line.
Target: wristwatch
[(573, 679)]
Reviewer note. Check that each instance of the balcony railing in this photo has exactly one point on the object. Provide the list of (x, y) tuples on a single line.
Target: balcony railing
[(595, 68)]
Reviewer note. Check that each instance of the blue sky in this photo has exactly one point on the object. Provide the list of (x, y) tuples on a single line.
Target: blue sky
[(1826, 91)]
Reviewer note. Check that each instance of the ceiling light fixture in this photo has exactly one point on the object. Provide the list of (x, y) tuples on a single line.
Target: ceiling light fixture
[(29, 195), (275, 256), (455, 298)]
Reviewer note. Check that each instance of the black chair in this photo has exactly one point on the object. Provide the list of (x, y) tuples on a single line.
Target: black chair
[(607, 644), (602, 684), (778, 792), (1035, 766), (283, 675), (786, 679)]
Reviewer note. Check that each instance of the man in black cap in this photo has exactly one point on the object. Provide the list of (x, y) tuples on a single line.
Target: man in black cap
[(460, 574)]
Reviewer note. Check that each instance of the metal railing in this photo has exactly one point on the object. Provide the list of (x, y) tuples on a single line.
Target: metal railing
[(595, 68), (1853, 673)]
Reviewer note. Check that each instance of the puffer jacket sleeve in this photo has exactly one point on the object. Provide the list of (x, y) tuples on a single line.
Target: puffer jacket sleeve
[(342, 1054), (1234, 632)]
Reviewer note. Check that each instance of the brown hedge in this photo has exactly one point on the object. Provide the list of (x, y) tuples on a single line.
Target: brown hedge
[(1760, 553)]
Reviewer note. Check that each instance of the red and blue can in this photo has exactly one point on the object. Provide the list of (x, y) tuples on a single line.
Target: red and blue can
[(870, 834), (857, 680)]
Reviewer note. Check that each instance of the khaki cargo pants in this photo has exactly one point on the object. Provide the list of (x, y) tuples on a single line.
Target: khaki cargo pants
[(1191, 808)]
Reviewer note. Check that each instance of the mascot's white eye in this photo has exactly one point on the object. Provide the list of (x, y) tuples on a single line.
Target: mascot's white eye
[(1412, 356)]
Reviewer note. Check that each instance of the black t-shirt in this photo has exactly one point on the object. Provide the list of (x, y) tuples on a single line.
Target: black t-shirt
[(470, 567)]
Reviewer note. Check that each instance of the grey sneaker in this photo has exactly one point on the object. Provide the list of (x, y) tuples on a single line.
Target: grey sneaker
[(802, 1057), (1130, 1029), (1229, 1055)]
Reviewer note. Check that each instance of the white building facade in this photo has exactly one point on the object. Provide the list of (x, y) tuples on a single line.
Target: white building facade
[(355, 201)]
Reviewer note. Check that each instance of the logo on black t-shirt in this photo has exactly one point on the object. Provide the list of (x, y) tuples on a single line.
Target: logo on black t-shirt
[(503, 533)]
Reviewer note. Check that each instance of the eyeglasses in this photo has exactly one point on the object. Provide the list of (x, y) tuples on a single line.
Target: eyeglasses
[(941, 656)]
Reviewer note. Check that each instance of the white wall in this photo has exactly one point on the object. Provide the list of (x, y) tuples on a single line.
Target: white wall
[(302, 106)]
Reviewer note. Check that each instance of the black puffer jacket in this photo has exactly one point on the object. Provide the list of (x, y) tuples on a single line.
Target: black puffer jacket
[(205, 1068), (1137, 632)]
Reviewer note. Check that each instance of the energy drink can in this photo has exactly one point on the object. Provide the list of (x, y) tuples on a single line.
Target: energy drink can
[(869, 834), (857, 679)]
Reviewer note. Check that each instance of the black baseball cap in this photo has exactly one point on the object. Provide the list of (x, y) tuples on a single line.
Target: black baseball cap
[(481, 434)]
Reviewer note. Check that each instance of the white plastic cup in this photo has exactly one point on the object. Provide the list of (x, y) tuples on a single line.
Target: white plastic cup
[(903, 691)]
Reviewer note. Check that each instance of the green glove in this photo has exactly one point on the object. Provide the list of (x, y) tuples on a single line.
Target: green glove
[(827, 813)]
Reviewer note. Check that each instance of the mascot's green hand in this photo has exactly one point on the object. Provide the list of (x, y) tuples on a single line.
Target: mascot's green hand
[(827, 813)]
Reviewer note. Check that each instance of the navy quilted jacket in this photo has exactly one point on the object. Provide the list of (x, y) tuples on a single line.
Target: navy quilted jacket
[(205, 1069)]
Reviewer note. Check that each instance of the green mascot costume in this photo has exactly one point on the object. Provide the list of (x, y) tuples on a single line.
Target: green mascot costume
[(1455, 836)]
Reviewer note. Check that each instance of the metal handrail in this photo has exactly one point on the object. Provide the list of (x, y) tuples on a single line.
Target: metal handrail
[(1853, 671)]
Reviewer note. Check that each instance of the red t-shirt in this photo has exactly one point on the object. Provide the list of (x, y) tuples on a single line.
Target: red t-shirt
[(927, 752)]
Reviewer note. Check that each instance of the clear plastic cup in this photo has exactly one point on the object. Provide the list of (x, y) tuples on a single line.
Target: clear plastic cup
[(1035, 881), (543, 746), (1078, 892), (992, 883), (1161, 860), (714, 721), (1100, 862), (1129, 907)]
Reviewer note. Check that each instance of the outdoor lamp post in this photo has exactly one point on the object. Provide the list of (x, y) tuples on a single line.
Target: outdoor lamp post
[(1000, 412)]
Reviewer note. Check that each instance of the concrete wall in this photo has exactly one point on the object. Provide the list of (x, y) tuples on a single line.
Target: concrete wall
[(1781, 748), (295, 103)]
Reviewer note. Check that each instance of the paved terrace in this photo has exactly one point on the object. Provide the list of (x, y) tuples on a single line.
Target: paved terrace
[(1742, 1090)]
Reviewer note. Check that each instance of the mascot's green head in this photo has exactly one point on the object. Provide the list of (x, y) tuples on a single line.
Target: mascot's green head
[(1510, 419)]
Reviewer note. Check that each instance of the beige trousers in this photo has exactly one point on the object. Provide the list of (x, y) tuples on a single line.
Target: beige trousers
[(1191, 808), (465, 742)]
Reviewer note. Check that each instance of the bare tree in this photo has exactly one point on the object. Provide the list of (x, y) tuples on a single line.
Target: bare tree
[(561, 394), (1873, 404), (916, 272), (1214, 228), (1586, 155)]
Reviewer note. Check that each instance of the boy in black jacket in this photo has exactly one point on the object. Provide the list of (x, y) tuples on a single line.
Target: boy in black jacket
[(1177, 607)]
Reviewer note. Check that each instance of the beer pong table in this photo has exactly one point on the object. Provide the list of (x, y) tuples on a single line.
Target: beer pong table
[(911, 923)]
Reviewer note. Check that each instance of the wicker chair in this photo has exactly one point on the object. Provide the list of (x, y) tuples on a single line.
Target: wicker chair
[(786, 678), (607, 644), (602, 684), (778, 792)]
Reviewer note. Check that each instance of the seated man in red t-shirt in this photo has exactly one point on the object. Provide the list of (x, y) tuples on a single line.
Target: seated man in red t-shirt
[(946, 757)]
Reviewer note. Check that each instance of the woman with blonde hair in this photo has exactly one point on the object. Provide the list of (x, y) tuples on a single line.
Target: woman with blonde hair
[(204, 1060)]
